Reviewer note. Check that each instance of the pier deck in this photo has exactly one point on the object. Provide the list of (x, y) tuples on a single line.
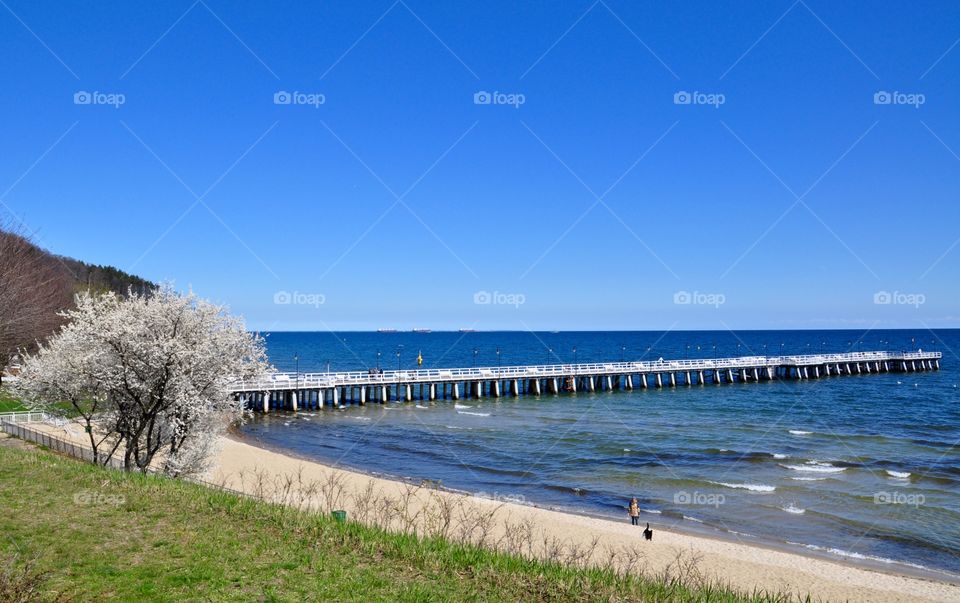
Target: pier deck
[(316, 390)]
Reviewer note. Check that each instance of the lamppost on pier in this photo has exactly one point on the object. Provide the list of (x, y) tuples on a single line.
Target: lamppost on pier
[(378, 361), (686, 352), (623, 350), (498, 362), (296, 358), (475, 352), (822, 343), (549, 354), (575, 359), (781, 348), (738, 350), (714, 351)]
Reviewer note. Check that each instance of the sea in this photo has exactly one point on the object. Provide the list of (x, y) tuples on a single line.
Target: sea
[(862, 468)]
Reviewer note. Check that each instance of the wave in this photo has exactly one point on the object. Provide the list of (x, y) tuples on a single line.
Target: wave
[(815, 467), (423, 407), (475, 414), (457, 427), (694, 519), (793, 509), (461, 406), (361, 418), (751, 487), (809, 479), (899, 474), (779, 456), (798, 432), (861, 556)]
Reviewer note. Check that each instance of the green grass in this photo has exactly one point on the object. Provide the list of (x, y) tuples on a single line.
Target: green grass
[(9, 404), (171, 541)]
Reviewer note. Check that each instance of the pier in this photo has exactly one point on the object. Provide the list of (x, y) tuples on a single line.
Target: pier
[(294, 391)]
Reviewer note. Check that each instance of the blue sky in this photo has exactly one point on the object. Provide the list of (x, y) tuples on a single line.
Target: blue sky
[(813, 174)]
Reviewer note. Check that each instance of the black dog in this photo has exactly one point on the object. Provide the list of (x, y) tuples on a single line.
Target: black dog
[(648, 533)]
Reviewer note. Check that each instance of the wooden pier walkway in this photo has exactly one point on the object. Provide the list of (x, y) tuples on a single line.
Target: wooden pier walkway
[(291, 391)]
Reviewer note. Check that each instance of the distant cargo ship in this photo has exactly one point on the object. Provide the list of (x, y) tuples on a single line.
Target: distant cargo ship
[(386, 330), (468, 330), (421, 330)]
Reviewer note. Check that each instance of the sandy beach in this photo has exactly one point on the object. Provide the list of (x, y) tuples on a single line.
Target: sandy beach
[(545, 533), (254, 470)]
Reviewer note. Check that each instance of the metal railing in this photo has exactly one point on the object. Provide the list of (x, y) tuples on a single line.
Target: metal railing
[(52, 442), (286, 381), (24, 416)]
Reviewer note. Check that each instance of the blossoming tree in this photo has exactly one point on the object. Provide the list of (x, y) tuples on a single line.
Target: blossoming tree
[(149, 376)]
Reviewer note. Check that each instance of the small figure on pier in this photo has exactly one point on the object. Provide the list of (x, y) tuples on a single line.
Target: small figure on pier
[(634, 510), (648, 533)]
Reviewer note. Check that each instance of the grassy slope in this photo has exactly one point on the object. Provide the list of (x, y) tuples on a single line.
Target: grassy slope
[(172, 541), (8, 404)]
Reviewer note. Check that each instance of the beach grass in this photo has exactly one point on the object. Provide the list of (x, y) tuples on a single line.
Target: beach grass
[(92, 534)]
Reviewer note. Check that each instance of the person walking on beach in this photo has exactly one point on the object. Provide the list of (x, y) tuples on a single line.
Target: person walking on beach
[(634, 511)]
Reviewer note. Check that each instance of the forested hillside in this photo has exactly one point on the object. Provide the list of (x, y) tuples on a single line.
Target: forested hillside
[(35, 285)]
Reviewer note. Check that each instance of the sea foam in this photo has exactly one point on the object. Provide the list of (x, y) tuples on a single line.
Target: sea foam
[(751, 487), (814, 467)]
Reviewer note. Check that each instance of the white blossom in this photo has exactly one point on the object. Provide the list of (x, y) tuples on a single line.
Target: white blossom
[(150, 375)]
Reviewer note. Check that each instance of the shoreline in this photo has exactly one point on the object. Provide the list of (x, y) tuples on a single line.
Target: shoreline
[(282, 478), (745, 566), (849, 558)]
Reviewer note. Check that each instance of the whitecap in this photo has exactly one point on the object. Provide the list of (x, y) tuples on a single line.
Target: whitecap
[(688, 518), (798, 432), (751, 487), (899, 474), (793, 509), (852, 555), (423, 407), (779, 456), (460, 406), (475, 414), (458, 427), (626, 450), (815, 468), (653, 511), (809, 479), (361, 418)]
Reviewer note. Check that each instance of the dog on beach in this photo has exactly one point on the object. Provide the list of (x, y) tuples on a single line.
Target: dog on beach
[(648, 533)]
